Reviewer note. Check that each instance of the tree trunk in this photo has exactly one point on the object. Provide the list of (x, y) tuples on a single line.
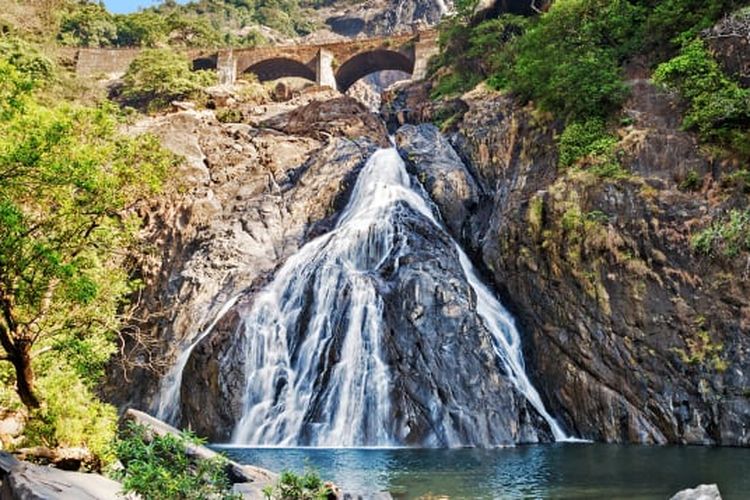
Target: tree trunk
[(24, 377)]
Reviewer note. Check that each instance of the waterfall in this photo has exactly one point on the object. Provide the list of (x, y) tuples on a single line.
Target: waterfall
[(331, 282), (168, 404)]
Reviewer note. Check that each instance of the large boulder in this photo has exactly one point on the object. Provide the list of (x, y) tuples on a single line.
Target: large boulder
[(440, 170), (26, 481)]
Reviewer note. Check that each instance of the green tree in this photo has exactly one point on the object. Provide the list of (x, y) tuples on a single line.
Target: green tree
[(88, 25), (68, 183), (158, 76), (142, 29)]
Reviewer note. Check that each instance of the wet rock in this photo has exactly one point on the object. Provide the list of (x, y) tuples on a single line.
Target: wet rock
[(440, 170), (701, 492), (441, 352)]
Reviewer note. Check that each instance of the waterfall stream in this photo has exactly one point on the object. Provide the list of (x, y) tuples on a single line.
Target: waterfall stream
[(313, 362)]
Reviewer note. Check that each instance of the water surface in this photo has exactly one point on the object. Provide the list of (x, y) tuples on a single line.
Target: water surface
[(544, 471)]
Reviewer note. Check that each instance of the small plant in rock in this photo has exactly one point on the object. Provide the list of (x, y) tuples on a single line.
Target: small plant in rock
[(291, 486), (157, 467), (691, 182), (726, 237)]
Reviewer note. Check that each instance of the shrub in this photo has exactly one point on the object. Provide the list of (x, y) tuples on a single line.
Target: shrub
[(589, 139), (726, 237), (88, 25), (157, 467), (719, 109), (27, 59), (291, 486), (158, 76), (71, 415)]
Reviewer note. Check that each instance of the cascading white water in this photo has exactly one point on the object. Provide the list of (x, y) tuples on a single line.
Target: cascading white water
[(291, 325), (168, 408)]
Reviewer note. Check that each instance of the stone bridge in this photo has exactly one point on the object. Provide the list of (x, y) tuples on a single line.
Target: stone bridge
[(337, 65)]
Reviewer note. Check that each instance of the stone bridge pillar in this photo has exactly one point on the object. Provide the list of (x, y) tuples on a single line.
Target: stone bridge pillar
[(324, 69), (226, 67), (425, 47)]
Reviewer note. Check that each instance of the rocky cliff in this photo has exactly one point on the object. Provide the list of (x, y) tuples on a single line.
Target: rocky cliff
[(631, 334)]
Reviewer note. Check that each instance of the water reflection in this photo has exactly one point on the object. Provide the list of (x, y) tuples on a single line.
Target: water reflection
[(545, 471)]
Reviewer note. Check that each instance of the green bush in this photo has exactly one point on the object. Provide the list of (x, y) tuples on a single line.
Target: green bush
[(589, 139), (158, 76), (157, 467), (672, 23), (142, 29), (27, 59), (72, 415), (88, 25), (719, 109), (569, 61), (474, 53), (291, 486)]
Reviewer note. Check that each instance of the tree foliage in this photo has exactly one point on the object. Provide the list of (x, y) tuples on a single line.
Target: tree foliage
[(201, 23), (719, 109), (158, 76), (68, 187)]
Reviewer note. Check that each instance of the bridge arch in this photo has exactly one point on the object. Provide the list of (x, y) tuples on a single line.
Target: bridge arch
[(280, 67), (209, 62), (364, 63)]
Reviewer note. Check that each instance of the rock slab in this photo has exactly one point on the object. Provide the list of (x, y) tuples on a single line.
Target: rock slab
[(701, 492), (25, 481)]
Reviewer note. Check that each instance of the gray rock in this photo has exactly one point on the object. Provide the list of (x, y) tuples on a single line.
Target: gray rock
[(440, 170), (701, 492), (25, 481)]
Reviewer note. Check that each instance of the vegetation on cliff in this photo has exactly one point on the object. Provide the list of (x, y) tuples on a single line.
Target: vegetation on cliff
[(571, 61), (203, 23)]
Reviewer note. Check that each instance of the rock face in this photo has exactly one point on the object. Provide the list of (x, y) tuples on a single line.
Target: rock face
[(393, 279), (631, 336), (384, 17)]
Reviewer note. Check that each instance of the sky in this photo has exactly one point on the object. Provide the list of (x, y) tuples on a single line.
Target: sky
[(125, 6)]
